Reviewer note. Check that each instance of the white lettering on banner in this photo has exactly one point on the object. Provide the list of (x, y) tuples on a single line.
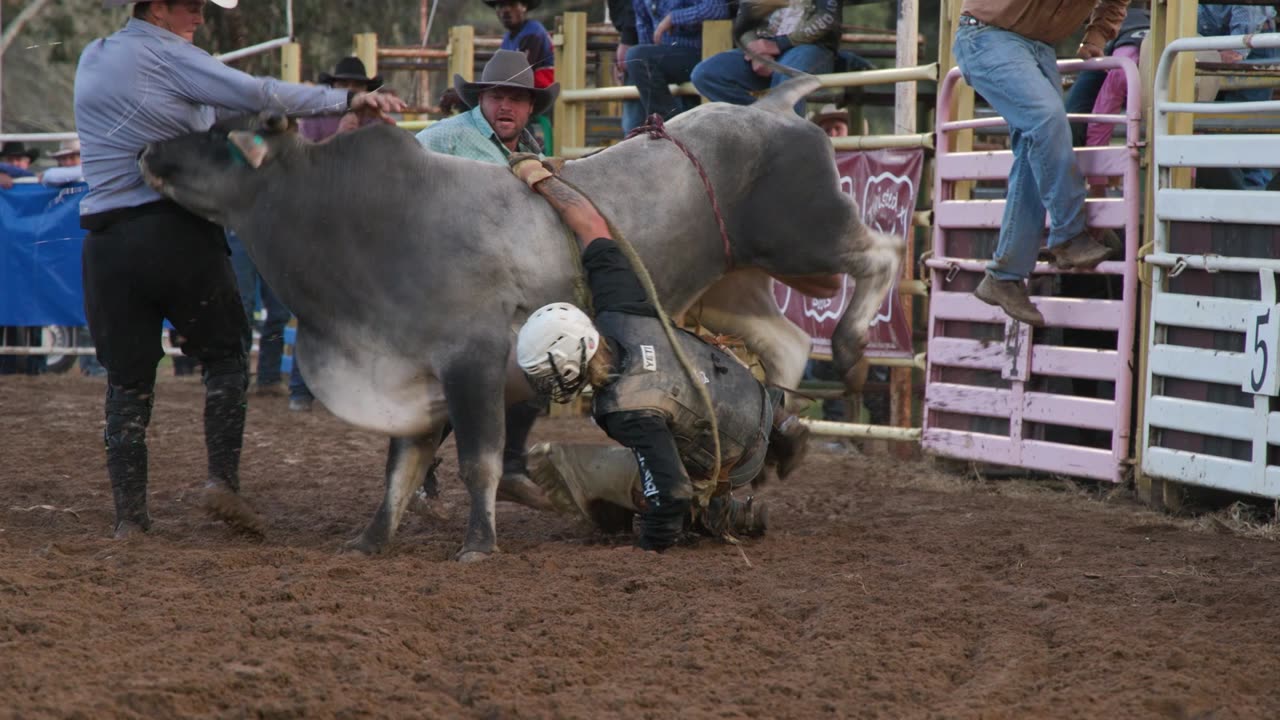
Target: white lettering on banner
[(1261, 341), (886, 206)]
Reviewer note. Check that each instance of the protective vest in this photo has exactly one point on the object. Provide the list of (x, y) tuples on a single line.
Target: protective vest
[(650, 377)]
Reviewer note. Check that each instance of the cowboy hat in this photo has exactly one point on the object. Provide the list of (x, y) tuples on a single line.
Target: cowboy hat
[(528, 4), (508, 68), (67, 147), (351, 68), (828, 112), (228, 4), (16, 149)]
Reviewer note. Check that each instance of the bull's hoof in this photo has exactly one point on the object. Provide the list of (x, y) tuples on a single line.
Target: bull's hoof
[(362, 546), (127, 530), (225, 504), (470, 556)]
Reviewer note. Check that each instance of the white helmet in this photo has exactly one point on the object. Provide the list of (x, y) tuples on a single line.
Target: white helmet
[(553, 348)]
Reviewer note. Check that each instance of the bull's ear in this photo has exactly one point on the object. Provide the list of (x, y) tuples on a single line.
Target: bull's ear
[(274, 123), (251, 146)]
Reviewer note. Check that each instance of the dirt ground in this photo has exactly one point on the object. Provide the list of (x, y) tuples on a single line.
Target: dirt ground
[(886, 589)]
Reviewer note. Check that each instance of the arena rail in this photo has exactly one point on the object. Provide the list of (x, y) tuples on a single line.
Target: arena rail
[(1210, 415), (995, 391)]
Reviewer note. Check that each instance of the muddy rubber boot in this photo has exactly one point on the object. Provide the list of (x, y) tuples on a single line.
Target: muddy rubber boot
[(224, 410), (599, 483), (788, 442), (128, 412)]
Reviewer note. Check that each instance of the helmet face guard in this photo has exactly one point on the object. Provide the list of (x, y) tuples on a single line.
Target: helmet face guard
[(555, 385)]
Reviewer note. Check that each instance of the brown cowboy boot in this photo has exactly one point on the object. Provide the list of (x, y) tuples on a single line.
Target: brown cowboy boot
[(1011, 296), (1082, 252), (788, 442)]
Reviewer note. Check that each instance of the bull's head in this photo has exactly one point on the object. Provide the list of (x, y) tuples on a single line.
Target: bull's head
[(212, 172)]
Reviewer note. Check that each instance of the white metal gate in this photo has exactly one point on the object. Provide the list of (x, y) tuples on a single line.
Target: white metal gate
[(1211, 415)]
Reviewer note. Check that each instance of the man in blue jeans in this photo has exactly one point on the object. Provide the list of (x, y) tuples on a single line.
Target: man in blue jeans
[(804, 35), (670, 33), (271, 341), (1005, 50)]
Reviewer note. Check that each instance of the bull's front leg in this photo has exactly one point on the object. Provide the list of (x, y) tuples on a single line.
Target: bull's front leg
[(475, 395), (874, 261), (407, 462)]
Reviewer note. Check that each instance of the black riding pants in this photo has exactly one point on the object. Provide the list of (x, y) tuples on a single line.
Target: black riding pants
[(159, 261)]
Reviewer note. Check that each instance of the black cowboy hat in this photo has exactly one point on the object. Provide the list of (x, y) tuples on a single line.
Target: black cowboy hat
[(528, 4), (15, 149), (508, 68), (351, 68)]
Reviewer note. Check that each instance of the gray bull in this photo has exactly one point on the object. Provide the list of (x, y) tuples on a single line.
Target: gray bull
[(409, 271)]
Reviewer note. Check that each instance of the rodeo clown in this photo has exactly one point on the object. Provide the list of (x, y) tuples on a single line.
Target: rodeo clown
[(645, 400)]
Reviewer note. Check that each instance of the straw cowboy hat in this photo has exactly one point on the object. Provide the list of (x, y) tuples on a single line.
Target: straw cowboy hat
[(18, 149), (351, 68), (508, 68), (67, 147), (528, 4), (228, 4), (828, 112)]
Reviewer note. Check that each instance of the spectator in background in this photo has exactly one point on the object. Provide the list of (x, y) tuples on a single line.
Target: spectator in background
[(833, 121), (1214, 20), (15, 159), (1103, 92), (670, 35), (623, 16), (68, 170), (1005, 50), (804, 34), (271, 338), (527, 36)]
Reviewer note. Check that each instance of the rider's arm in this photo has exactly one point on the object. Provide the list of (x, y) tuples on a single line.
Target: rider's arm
[(663, 480), (576, 211)]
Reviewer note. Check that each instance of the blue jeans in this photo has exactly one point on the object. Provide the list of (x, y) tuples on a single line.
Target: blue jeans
[(728, 77), (1019, 78), (651, 68), (298, 389), (271, 342)]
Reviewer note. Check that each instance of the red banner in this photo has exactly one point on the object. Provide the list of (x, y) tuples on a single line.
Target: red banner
[(884, 184)]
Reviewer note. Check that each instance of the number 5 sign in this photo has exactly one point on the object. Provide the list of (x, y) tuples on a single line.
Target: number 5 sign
[(1261, 342)]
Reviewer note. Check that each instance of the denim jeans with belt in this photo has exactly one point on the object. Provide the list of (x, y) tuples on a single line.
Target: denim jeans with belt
[(1019, 77)]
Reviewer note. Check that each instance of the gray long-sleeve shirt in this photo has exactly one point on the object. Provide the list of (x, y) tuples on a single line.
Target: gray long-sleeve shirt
[(145, 84)]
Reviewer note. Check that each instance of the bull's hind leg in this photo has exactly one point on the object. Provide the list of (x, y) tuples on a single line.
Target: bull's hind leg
[(741, 304), (475, 396), (407, 462), (874, 261)]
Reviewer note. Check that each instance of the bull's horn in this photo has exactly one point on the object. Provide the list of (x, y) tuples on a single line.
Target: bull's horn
[(783, 98)]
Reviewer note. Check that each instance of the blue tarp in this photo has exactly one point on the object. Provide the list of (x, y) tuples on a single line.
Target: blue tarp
[(40, 239)]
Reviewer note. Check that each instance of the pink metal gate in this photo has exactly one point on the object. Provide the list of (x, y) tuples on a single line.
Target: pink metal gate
[(999, 391)]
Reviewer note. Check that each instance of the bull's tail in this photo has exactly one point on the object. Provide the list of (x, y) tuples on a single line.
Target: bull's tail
[(783, 98)]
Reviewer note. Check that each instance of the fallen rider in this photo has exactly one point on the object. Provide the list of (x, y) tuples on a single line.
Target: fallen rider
[(645, 400)]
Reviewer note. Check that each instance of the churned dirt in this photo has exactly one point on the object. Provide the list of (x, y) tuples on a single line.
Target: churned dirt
[(886, 589)]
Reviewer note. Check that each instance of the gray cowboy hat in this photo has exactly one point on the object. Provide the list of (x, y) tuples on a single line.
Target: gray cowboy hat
[(508, 68), (351, 68), (228, 4), (829, 112)]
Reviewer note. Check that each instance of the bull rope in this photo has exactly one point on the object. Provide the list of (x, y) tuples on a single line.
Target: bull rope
[(655, 129)]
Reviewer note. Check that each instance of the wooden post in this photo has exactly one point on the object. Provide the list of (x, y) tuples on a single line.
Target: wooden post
[(905, 122), (366, 48), (571, 71), (1180, 23), (717, 37), (462, 53), (291, 63)]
